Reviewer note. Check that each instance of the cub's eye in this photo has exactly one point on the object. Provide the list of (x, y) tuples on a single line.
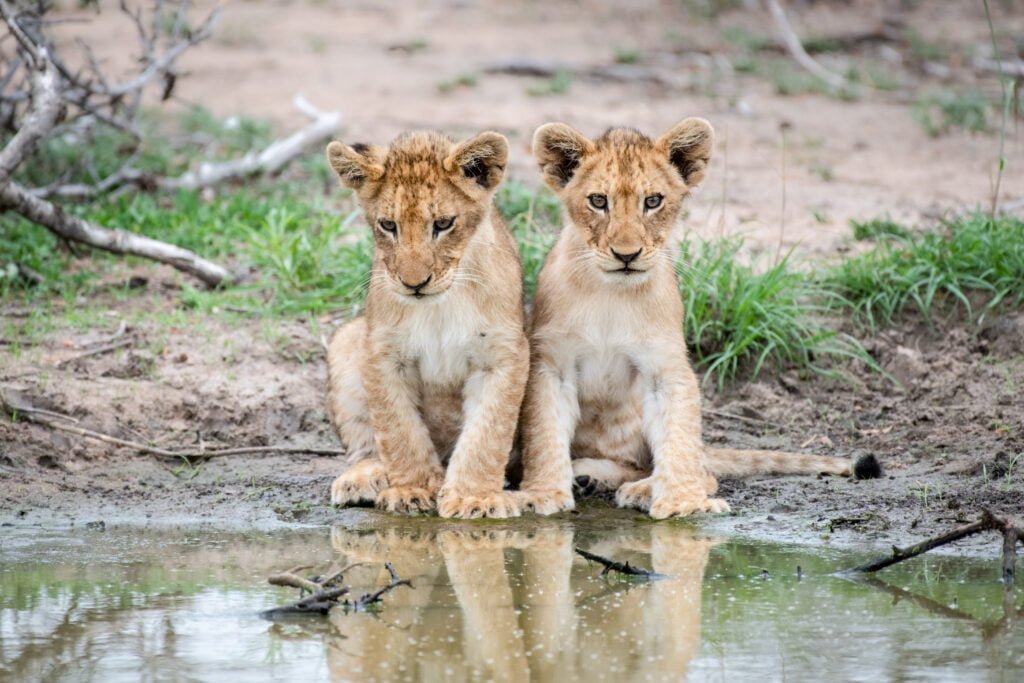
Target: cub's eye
[(653, 201), (387, 226), (442, 224), (598, 201)]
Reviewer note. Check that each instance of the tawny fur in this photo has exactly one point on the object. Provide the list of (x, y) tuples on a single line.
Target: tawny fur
[(612, 396), (424, 390)]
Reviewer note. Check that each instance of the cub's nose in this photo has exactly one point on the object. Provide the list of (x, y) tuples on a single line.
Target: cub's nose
[(627, 258), (417, 288)]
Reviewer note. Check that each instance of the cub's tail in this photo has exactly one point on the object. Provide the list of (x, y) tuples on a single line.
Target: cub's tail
[(731, 462)]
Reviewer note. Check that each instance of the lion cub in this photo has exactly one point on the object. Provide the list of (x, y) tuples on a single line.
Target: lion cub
[(425, 389), (610, 382)]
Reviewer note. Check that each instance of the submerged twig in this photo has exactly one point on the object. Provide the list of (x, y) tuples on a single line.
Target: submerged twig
[(325, 594), (619, 567), (988, 522), (374, 597)]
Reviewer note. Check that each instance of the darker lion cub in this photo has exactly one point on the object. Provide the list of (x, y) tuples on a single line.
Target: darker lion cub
[(425, 389)]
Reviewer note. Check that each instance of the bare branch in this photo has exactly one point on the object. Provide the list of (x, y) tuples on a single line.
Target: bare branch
[(1014, 69), (71, 227), (265, 162), (46, 111), (11, 407), (270, 160), (797, 51)]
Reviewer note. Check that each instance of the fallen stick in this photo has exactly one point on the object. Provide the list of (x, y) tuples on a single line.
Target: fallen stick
[(72, 228), (732, 416), (620, 567), (267, 161), (39, 417), (797, 51), (1014, 69), (99, 350), (988, 522)]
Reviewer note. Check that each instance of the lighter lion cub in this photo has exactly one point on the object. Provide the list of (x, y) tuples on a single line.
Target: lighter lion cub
[(612, 402), (425, 389)]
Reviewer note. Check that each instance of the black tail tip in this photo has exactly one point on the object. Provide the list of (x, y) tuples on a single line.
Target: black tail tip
[(867, 467)]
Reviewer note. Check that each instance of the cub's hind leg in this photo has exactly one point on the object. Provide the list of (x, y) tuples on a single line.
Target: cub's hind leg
[(600, 476), (608, 447), (350, 416)]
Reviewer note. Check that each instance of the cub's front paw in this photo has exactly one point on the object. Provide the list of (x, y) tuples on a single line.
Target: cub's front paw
[(497, 505), (635, 494), (545, 501), (406, 500), (360, 484), (686, 504)]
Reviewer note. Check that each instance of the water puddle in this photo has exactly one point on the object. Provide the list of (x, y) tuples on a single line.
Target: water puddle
[(492, 601)]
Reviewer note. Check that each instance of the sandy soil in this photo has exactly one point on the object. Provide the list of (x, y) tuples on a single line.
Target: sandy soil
[(380, 64)]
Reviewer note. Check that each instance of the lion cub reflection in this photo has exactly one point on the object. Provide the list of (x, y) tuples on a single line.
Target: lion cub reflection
[(518, 604)]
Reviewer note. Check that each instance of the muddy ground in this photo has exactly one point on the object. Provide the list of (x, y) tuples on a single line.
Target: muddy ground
[(948, 437)]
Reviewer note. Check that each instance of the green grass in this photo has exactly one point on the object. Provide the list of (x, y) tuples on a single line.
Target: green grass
[(533, 217), (741, 318), (301, 249), (463, 80), (878, 228), (941, 113), (971, 259), (558, 84), (629, 56), (787, 79)]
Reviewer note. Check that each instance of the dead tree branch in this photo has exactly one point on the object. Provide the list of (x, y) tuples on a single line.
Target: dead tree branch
[(988, 522), (1014, 69), (268, 161), (797, 51), (53, 87), (19, 199)]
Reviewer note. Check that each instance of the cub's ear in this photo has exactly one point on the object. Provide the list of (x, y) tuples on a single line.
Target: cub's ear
[(478, 163), (357, 164), (558, 149), (688, 147)]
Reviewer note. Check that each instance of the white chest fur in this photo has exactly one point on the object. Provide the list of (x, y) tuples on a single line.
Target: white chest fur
[(443, 338)]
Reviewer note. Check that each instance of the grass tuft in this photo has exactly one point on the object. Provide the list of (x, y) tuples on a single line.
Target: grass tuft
[(943, 112), (558, 84), (742, 318), (533, 217), (974, 255)]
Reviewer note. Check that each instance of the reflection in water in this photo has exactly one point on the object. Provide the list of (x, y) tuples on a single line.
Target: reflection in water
[(503, 601), (511, 605)]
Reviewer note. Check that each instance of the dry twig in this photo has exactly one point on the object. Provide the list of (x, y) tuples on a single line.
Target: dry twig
[(14, 408)]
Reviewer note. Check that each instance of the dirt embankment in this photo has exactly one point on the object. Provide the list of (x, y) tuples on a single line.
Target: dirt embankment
[(950, 438)]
